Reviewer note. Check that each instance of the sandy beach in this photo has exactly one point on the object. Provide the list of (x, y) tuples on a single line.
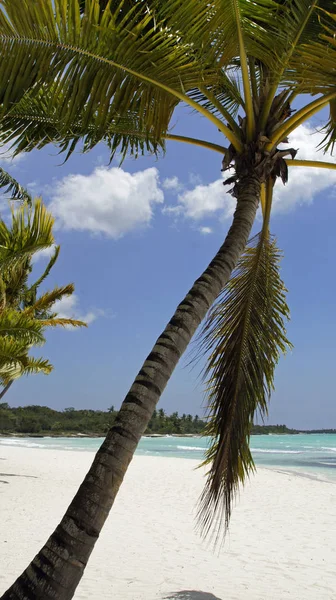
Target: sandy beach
[(282, 540)]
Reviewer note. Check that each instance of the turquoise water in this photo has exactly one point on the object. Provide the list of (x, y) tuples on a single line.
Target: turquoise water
[(314, 454)]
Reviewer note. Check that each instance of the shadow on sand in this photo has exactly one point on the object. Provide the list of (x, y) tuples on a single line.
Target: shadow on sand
[(191, 595)]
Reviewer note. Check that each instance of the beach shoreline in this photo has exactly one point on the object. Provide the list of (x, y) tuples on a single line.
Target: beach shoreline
[(280, 543)]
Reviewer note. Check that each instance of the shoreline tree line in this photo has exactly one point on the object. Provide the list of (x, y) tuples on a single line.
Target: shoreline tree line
[(38, 420)]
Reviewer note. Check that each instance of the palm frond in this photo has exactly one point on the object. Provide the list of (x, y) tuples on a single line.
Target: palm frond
[(13, 353), (37, 120), (62, 322), (13, 187), (314, 63), (23, 365), (22, 326), (10, 371), (33, 288), (137, 62), (295, 24), (15, 278), (319, 63), (27, 366), (29, 295), (36, 366), (217, 100), (29, 232), (147, 58), (244, 335), (46, 301), (237, 17)]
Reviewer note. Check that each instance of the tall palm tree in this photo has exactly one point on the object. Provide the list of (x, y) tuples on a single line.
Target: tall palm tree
[(115, 71), (23, 315)]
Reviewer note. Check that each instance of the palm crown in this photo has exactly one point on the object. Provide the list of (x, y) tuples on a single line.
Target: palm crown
[(90, 71)]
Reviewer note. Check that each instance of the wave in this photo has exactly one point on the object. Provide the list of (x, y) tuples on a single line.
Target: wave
[(21, 444), (197, 448), (328, 448), (266, 451)]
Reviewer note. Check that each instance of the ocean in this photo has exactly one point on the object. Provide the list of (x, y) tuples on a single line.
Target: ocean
[(305, 454)]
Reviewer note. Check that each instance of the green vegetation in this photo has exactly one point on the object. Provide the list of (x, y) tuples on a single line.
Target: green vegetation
[(41, 420), (25, 315)]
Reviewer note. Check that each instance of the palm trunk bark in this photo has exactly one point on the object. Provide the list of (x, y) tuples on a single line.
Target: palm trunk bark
[(57, 569), (6, 388)]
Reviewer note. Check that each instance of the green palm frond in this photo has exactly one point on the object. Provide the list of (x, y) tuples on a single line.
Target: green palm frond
[(148, 57), (26, 366), (13, 352), (9, 372), (29, 232), (292, 25), (21, 326), (315, 58), (318, 60), (37, 120), (127, 66), (276, 30), (223, 99), (13, 187), (28, 297), (15, 278), (244, 335), (62, 322), (46, 301), (36, 366)]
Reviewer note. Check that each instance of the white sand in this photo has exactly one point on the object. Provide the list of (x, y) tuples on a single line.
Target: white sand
[(282, 541)]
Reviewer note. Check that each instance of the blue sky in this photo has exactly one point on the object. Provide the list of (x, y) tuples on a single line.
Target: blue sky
[(133, 241)]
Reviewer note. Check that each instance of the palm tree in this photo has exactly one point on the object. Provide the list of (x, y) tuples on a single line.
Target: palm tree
[(17, 192), (24, 316), (115, 71)]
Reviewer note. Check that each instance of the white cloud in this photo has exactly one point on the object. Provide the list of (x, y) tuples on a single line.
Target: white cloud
[(204, 201), (172, 183), (109, 201), (67, 308), (205, 230), (195, 179), (304, 182)]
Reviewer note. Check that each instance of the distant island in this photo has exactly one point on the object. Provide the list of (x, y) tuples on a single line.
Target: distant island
[(40, 421)]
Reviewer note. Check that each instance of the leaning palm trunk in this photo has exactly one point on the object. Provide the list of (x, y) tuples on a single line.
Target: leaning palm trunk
[(6, 388), (57, 569)]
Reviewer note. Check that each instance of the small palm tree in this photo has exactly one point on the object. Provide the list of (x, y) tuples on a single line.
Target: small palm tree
[(23, 315), (114, 71)]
